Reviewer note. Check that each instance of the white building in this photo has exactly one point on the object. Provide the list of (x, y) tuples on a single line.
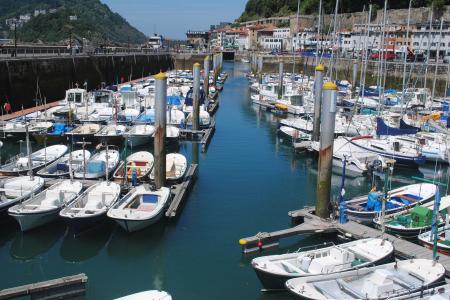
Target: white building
[(423, 39)]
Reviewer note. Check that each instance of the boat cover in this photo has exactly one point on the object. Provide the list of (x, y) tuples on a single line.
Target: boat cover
[(383, 129)]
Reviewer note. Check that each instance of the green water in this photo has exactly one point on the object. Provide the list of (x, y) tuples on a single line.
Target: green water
[(248, 180)]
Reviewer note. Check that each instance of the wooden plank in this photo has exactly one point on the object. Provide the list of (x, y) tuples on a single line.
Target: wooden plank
[(180, 191), (46, 286)]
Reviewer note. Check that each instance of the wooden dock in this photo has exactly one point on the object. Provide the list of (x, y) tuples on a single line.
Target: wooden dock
[(311, 224), (180, 190), (27, 111), (204, 135), (60, 288), (213, 108)]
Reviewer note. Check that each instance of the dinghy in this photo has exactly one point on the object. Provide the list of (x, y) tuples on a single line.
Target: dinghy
[(411, 223), (100, 164), (60, 168), (45, 206), (55, 134), (140, 208), (379, 282), (441, 292), (443, 237), (139, 135), (147, 295), (274, 270), (21, 164), (176, 166), (365, 208), (140, 162), (14, 190), (172, 134), (91, 206), (84, 132), (18, 130), (111, 134)]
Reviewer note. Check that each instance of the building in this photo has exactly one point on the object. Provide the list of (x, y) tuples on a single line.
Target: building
[(198, 39), (424, 39)]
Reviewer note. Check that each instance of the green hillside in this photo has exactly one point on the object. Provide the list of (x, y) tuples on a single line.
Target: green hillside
[(95, 21), (256, 9)]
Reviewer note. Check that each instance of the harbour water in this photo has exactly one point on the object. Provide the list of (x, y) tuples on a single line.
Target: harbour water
[(248, 180)]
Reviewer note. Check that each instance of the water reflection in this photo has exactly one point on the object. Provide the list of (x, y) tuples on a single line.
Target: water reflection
[(28, 245), (136, 244), (78, 248)]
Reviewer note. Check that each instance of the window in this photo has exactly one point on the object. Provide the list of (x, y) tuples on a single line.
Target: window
[(442, 44), (424, 43), (417, 44), (433, 44)]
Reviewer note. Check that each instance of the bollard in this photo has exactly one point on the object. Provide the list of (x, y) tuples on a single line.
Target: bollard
[(196, 97), (318, 83), (328, 117), (280, 84), (206, 79), (354, 76), (160, 129), (260, 64)]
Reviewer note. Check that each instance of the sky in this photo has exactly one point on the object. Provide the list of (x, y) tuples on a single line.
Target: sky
[(172, 18)]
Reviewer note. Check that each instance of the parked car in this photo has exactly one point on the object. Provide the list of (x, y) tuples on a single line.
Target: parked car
[(386, 56)]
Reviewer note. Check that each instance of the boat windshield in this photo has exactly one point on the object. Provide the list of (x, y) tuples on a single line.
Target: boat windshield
[(75, 97)]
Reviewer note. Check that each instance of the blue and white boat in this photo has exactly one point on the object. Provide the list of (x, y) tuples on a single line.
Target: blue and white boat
[(365, 208)]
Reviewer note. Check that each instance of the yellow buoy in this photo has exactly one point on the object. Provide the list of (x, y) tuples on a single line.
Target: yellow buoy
[(281, 106), (242, 242)]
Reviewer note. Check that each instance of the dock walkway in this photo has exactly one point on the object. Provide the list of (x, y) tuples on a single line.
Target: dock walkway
[(60, 288), (311, 224)]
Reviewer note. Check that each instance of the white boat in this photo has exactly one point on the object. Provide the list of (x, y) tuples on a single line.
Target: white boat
[(100, 164), (45, 206), (147, 295), (84, 132), (176, 166), (358, 161), (172, 134), (141, 134), (60, 167), (204, 119), (18, 129), (111, 134), (379, 282), (21, 164), (128, 115), (14, 190), (140, 162), (91, 206), (274, 270), (440, 292), (140, 208)]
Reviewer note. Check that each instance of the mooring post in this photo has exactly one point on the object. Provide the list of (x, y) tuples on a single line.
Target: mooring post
[(160, 129), (214, 69), (260, 68), (206, 76), (318, 83), (196, 97), (327, 120), (280, 75), (354, 76)]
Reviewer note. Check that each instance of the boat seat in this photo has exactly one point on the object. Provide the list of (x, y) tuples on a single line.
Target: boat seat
[(50, 202), (93, 203), (291, 268), (348, 289)]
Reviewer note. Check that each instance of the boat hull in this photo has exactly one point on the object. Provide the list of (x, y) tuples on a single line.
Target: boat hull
[(31, 221), (272, 281), (77, 225), (139, 140), (136, 225)]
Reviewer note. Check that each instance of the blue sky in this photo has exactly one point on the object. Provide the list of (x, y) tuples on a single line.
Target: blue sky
[(172, 18)]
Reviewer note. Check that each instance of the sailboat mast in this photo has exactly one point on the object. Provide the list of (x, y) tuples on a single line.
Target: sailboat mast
[(428, 47), (30, 172), (297, 30), (333, 59), (318, 32), (438, 49), (366, 53), (405, 59)]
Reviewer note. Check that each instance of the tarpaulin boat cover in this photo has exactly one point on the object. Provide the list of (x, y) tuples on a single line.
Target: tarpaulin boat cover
[(383, 129)]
